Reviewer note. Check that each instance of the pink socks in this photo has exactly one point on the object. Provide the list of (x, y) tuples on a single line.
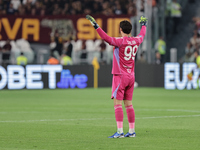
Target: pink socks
[(119, 118), (131, 118), (119, 115)]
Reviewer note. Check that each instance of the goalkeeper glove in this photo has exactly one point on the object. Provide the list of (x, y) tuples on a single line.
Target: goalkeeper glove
[(143, 21), (93, 22)]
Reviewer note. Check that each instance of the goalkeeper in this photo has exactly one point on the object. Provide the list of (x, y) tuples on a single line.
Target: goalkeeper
[(124, 51)]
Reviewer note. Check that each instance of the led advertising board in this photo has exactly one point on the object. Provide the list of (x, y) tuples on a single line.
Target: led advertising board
[(169, 76), (39, 77), (176, 77)]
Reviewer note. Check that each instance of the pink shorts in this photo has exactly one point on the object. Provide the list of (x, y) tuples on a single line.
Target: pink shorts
[(122, 87)]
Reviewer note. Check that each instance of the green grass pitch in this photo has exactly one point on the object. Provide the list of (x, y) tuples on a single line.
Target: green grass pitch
[(82, 119)]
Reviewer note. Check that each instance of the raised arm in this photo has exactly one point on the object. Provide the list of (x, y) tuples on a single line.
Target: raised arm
[(141, 35), (118, 41), (110, 40)]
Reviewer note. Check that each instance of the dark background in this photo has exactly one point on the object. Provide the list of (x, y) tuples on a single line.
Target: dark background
[(146, 75)]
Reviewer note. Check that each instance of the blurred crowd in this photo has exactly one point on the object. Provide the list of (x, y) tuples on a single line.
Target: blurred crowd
[(66, 7), (193, 45), (69, 7), (77, 51)]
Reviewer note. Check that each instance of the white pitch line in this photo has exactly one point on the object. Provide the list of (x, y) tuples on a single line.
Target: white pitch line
[(20, 112), (54, 120), (175, 110), (184, 116), (179, 110)]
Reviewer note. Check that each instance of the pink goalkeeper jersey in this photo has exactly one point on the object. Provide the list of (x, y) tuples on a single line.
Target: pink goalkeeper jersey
[(124, 51)]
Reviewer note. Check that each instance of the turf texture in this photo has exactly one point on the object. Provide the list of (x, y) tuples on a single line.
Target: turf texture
[(82, 119)]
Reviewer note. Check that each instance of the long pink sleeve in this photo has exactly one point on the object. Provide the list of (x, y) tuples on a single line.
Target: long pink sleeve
[(110, 40), (142, 33), (118, 41)]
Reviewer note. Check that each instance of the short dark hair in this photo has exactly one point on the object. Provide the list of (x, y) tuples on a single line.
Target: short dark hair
[(126, 26)]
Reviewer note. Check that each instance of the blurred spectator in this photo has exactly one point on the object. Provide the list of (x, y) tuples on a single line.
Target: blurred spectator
[(16, 4), (197, 25), (22, 60), (65, 60), (189, 48), (1, 5), (56, 10), (52, 60), (87, 11), (157, 61), (117, 8), (83, 53), (37, 7), (195, 40), (176, 15), (97, 7), (6, 49), (42, 12), (154, 3), (142, 59), (3, 12), (33, 11), (103, 52), (46, 3), (69, 48), (59, 44), (28, 8), (107, 10), (131, 8), (21, 10), (160, 47), (189, 57), (78, 7), (29, 1), (10, 9), (65, 10)]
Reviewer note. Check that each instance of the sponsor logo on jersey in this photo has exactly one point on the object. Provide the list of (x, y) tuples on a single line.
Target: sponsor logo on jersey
[(129, 70), (139, 36)]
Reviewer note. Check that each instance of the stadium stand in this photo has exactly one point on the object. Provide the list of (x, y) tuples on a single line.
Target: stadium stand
[(68, 7), (186, 28), (17, 47), (38, 53)]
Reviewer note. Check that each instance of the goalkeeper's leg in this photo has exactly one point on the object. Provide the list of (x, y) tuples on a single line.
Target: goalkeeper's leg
[(131, 118), (119, 119), (119, 115)]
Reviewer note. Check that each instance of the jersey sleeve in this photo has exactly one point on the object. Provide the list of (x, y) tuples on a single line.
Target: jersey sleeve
[(141, 35), (110, 40)]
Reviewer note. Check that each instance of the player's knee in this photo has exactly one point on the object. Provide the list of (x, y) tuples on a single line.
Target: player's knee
[(117, 102), (127, 103)]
